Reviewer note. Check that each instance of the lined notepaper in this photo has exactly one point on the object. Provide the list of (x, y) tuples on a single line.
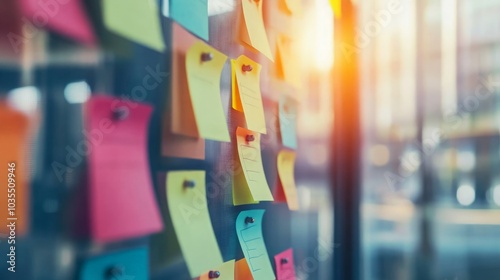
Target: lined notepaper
[(252, 244), (246, 93), (250, 185)]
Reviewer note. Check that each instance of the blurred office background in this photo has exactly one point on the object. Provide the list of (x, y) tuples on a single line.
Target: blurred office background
[(430, 85)]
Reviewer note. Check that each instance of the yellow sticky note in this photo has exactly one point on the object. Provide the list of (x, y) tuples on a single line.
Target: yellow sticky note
[(337, 7), (293, 6), (242, 270), (250, 185), (204, 68), (287, 189), (136, 20), (253, 33), (246, 92), (225, 272), (187, 204), (287, 62)]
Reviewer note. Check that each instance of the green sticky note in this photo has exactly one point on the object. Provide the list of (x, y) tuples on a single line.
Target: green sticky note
[(187, 204), (249, 231), (191, 14), (136, 20)]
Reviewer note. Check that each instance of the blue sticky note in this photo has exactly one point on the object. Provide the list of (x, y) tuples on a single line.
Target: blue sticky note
[(288, 122), (249, 231), (124, 265), (190, 14)]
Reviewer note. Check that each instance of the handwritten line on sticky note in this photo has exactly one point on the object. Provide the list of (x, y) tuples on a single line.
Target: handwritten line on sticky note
[(14, 135), (136, 20), (253, 32), (249, 231), (285, 269), (286, 163), (187, 203), (123, 204), (67, 17), (204, 67), (288, 66), (246, 92), (191, 14), (226, 272), (288, 122), (251, 185)]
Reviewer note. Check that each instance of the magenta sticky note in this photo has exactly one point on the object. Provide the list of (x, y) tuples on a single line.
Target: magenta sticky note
[(285, 269), (122, 201), (66, 17)]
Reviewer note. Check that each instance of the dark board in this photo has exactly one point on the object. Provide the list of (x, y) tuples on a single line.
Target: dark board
[(53, 230)]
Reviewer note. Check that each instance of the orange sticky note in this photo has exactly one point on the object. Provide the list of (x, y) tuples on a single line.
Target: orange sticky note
[(288, 67), (180, 133), (253, 32), (250, 185), (286, 190), (246, 93), (224, 272), (204, 68), (242, 270), (14, 191)]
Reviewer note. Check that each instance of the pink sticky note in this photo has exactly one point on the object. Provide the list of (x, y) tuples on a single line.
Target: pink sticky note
[(66, 17), (285, 269), (122, 203)]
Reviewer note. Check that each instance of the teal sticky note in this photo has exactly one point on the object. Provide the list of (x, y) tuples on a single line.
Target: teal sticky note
[(190, 14), (288, 121), (249, 231), (130, 264)]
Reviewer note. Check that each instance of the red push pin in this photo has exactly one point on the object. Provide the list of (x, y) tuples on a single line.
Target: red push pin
[(250, 138), (214, 274), (206, 57), (246, 68)]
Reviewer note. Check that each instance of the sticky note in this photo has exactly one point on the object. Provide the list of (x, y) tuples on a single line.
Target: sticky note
[(286, 190), (122, 201), (204, 68), (180, 132), (249, 231), (252, 29), (288, 122), (285, 269), (191, 14), (226, 272), (287, 63), (130, 264), (242, 270), (293, 6), (136, 20), (337, 7), (14, 173), (250, 186), (187, 204), (66, 17), (246, 95)]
